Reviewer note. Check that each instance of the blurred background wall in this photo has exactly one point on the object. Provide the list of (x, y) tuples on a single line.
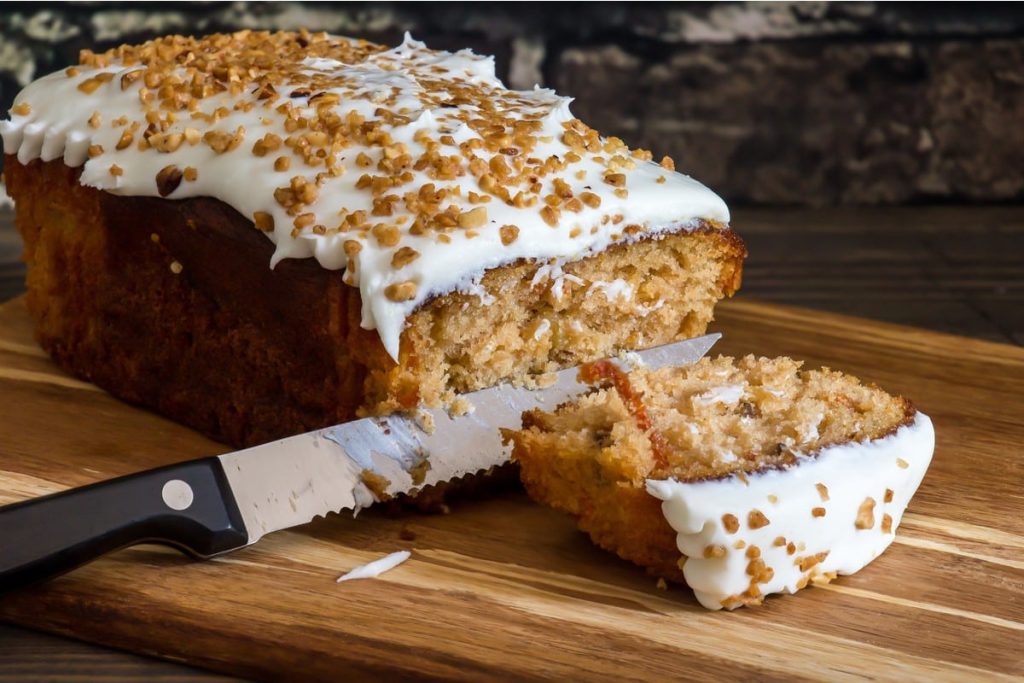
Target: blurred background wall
[(775, 103)]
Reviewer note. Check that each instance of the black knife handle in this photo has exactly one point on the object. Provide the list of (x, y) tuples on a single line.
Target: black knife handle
[(188, 505)]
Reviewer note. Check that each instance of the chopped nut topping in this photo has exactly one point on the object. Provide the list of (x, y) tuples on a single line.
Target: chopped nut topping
[(886, 524), (168, 180), (222, 142), (509, 234), (401, 291), (474, 218), (263, 221), (902, 464), (756, 519), (176, 267), (95, 151), (550, 216), (822, 492), (805, 563), (166, 143), (304, 220), (268, 143), (668, 164), (90, 85), (386, 235), (888, 496), (615, 179), (865, 514), (759, 572), (715, 552), (730, 523), (822, 579), (130, 77), (487, 152), (404, 257), (817, 512), (127, 137)]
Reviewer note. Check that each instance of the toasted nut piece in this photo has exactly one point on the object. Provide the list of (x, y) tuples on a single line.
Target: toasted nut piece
[(865, 514), (509, 234), (474, 218), (404, 257), (168, 179), (263, 221), (756, 519), (401, 291)]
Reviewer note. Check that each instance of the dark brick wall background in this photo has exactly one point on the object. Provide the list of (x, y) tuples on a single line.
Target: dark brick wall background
[(773, 103)]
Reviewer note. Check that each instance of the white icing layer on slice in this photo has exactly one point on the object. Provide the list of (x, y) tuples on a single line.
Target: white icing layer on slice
[(835, 511), (374, 569), (418, 97)]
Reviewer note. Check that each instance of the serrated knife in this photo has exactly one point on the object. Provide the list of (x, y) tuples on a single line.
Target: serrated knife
[(214, 505)]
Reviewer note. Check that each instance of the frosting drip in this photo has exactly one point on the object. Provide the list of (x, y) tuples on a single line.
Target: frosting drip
[(832, 513), (415, 170)]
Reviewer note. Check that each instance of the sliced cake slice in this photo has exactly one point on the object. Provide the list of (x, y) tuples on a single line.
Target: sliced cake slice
[(741, 477)]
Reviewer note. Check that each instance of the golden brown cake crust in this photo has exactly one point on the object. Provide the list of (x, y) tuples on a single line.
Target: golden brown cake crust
[(225, 345), (172, 305)]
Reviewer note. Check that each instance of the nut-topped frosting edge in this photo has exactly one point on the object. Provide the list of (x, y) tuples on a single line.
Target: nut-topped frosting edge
[(413, 169)]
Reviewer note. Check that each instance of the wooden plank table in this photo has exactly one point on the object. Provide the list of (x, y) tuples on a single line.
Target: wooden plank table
[(957, 269)]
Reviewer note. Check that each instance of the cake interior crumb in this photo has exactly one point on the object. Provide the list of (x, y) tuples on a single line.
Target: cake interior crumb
[(719, 417)]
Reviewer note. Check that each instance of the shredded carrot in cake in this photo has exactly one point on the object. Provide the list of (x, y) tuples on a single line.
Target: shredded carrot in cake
[(604, 371)]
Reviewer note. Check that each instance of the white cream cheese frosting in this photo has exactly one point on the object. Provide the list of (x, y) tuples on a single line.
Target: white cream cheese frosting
[(746, 536), (415, 170)]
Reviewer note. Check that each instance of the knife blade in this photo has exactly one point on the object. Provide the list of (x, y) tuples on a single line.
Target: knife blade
[(214, 505)]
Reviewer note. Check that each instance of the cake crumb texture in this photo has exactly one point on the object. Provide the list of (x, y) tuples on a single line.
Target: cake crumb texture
[(247, 354), (729, 469)]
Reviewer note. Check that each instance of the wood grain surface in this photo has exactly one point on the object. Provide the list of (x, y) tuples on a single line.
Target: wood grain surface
[(501, 588)]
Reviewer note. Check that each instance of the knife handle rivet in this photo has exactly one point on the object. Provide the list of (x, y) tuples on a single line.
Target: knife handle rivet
[(177, 495)]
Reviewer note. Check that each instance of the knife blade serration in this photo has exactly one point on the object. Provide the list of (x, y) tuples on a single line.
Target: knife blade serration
[(288, 482)]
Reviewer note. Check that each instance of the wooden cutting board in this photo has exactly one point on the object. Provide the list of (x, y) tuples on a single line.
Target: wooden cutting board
[(501, 588)]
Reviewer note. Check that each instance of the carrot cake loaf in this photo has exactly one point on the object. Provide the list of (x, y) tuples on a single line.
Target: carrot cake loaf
[(262, 233), (740, 477)]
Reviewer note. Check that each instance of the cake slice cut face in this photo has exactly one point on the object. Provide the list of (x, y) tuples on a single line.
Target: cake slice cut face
[(741, 477)]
